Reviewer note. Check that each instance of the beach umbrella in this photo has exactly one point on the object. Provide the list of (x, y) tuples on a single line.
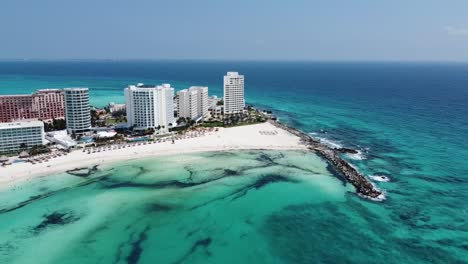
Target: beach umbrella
[(3, 159), (23, 154)]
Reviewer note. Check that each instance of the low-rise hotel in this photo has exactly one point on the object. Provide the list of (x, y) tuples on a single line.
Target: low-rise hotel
[(44, 104), (18, 136), (150, 106), (193, 102), (113, 107), (234, 101)]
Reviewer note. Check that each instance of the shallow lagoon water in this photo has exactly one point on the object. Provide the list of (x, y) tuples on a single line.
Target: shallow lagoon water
[(211, 207)]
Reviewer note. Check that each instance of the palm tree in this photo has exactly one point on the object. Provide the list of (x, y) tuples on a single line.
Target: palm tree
[(23, 146)]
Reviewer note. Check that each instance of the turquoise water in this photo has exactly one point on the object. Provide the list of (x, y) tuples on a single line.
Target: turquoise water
[(409, 120), (186, 208)]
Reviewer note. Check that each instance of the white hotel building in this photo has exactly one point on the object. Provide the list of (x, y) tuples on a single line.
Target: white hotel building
[(18, 135), (234, 101), (77, 110), (193, 102), (150, 106)]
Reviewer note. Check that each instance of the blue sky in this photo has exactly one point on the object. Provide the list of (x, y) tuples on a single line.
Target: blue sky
[(408, 30)]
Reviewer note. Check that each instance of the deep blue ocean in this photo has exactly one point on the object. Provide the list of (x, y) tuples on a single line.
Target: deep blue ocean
[(410, 120)]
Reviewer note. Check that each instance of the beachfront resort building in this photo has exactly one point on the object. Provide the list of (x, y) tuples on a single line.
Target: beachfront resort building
[(150, 106), (193, 103), (113, 107), (18, 136), (234, 101), (77, 110), (45, 104)]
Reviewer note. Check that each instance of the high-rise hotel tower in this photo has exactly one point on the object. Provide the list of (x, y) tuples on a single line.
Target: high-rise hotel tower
[(193, 102), (150, 106), (234, 101), (77, 110)]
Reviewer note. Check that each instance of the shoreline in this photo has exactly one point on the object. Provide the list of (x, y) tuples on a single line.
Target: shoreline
[(271, 135), (251, 137)]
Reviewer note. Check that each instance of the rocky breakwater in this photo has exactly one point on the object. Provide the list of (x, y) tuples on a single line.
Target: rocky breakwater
[(364, 187)]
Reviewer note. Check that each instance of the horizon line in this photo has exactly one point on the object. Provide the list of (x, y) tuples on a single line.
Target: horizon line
[(226, 60)]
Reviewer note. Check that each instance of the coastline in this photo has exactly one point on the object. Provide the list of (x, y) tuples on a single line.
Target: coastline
[(278, 136), (249, 137), (364, 187)]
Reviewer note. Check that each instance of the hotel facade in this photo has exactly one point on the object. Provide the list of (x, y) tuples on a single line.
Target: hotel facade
[(193, 102), (77, 110), (234, 101), (44, 104), (18, 136), (149, 106)]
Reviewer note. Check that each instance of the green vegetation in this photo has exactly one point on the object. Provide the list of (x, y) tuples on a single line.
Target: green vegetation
[(247, 118), (39, 149), (245, 123), (112, 121), (220, 102), (118, 117), (56, 124), (94, 117), (213, 124)]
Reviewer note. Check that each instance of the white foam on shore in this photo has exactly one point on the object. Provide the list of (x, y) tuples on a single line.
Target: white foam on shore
[(382, 197), (328, 142), (356, 156), (380, 178)]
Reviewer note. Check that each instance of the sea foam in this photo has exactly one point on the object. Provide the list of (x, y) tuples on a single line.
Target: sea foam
[(357, 156), (328, 142), (380, 178)]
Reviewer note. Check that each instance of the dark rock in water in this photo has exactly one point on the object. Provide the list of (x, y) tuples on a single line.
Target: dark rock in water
[(83, 172), (159, 208), (265, 158), (347, 150), (336, 174), (56, 218), (137, 248), (203, 243), (465, 247), (260, 183), (228, 172), (270, 179)]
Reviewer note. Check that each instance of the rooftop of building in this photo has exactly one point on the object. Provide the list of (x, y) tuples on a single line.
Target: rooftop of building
[(76, 89), (233, 74), (141, 85), (40, 91), (198, 88), (150, 86), (21, 124), (49, 90)]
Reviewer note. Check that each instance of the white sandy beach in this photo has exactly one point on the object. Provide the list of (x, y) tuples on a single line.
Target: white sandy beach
[(237, 138)]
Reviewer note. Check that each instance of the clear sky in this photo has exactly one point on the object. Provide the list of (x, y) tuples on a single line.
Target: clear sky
[(414, 30)]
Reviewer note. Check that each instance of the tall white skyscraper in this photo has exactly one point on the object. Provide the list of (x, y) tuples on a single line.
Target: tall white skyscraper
[(150, 106), (234, 101), (77, 110), (188, 104), (193, 102)]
